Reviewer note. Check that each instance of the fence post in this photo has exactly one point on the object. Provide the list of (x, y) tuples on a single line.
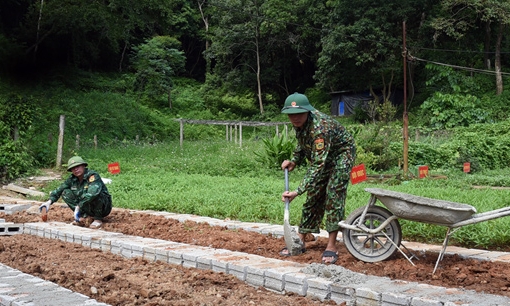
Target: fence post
[(235, 133), (61, 127), (77, 142), (240, 134), (181, 132), (95, 142)]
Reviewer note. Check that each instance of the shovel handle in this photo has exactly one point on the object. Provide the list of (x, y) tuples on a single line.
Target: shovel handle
[(287, 202), (286, 179)]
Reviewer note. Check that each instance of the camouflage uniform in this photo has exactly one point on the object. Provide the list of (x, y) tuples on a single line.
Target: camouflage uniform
[(330, 151), (91, 195)]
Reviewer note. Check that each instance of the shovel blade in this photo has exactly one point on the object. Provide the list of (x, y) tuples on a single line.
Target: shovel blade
[(292, 241)]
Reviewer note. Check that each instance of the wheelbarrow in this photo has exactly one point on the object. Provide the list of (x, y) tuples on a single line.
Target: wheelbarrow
[(373, 233)]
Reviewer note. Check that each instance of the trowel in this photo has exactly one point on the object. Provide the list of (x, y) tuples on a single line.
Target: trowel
[(292, 241), (44, 214)]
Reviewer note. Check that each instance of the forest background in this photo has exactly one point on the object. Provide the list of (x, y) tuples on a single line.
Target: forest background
[(123, 69)]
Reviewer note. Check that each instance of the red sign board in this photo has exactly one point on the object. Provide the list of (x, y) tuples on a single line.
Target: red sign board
[(423, 171), (114, 168), (467, 167), (358, 174)]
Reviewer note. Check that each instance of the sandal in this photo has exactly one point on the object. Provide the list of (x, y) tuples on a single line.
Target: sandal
[(96, 224), (78, 223), (329, 254), (286, 253)]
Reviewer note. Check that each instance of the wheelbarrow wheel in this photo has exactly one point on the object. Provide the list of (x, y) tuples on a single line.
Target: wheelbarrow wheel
[(372, 247)]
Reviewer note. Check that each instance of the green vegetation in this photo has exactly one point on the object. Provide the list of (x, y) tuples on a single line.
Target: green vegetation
[(122, 75), (221, 180)]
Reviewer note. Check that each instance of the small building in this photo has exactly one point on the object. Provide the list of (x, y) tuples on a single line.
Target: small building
[(344, 103)]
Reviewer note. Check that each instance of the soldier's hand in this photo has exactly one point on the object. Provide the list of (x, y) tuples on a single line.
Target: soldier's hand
[(45, 205), (77, 214), (43, 209), (288, 195), (288, 164)]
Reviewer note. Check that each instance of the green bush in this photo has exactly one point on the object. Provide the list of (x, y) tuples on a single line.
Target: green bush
[(15, 159), (382, 141), (453, 110), (497, 106), (276, 150)]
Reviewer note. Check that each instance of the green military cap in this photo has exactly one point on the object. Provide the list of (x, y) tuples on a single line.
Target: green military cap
[(75, 161), (297, 103)]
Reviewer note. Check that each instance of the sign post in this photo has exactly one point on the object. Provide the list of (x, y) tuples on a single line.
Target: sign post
[(423, 171), (358, 174), (114, 168), (467, 167)]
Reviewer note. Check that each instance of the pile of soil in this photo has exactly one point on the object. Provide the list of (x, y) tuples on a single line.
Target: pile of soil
[(115, 280)]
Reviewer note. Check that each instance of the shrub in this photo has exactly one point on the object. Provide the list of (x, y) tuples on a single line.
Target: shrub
[(277, 149)]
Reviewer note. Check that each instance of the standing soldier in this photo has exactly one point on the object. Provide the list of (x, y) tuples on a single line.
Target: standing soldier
[(330, 151), (84, 192)]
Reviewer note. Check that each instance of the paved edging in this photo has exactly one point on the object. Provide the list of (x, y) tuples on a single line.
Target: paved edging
[(277, 231), (276, 275)]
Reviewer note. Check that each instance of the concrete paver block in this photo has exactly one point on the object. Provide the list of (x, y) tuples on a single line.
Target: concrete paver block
[(237, 269), (7, 229), (149, 250), (419, 301), (9, 209), (275, 276), (366, 296), (343, 294), (297, 283), (209, 260), (395, 299), (190, 256), (319, 288)]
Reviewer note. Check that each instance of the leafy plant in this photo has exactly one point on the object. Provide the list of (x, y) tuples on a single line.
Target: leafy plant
[(156, 61), (277, 149), (14, 159)]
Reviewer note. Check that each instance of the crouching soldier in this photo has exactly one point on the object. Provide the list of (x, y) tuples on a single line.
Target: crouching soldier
[(84, 192)]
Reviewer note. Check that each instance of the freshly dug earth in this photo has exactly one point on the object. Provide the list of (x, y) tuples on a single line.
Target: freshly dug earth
[(121, 281)]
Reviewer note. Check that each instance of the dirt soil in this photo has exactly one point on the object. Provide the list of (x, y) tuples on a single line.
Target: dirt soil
[(115, 280)]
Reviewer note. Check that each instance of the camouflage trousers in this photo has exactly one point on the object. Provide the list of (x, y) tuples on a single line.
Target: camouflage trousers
[(99, 208), (328, 196)]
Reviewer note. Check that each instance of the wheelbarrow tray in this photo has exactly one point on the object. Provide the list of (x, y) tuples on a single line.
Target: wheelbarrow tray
[(422, 209)]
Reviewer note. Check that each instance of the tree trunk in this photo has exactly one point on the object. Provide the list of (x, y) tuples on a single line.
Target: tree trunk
[(487, 45), (170, 98), (38, 29), (206, 25), (497, 61), (259, 86)]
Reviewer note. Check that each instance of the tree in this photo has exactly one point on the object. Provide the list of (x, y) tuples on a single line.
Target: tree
[(236, 39), (94, 35), (464, 15), (266, 46), (155, 63), (364, 41)]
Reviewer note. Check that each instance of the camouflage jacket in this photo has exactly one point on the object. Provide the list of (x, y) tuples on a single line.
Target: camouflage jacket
[(90, 187), (320, 141)]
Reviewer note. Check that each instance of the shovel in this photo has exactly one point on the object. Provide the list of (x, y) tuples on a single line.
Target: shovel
[(292, 241)]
